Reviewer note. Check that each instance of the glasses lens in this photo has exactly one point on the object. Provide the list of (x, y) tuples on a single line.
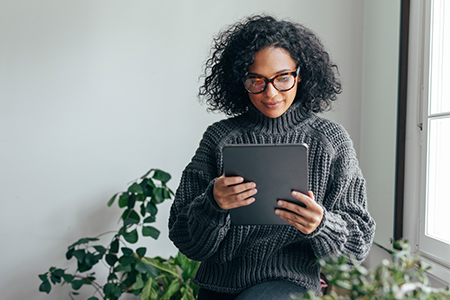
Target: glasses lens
[(254, 84), (284, 82)]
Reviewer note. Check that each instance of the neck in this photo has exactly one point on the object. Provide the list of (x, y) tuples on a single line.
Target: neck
[(289, 119)]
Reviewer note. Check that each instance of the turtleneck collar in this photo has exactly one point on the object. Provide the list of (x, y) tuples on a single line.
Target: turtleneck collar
[(291, 118)]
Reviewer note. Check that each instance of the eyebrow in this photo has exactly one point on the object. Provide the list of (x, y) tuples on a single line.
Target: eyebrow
[(276, 74)]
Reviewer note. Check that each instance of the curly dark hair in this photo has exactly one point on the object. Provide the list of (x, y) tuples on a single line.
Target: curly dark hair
[(233, 51)]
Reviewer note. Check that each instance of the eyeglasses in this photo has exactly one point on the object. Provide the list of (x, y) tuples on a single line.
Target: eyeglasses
[(256, 84)]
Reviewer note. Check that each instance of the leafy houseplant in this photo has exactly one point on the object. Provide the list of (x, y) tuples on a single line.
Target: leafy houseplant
[(403, 278), (129, 270)]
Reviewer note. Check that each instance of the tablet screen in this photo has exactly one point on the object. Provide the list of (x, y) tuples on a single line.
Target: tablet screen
[(277, 170)]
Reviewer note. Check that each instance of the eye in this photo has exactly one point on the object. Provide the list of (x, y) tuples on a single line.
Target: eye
[(283, 78), (256, 80)]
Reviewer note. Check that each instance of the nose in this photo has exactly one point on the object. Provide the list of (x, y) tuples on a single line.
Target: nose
[(270, 90)]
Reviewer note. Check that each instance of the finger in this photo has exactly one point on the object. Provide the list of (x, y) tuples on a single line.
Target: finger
[(296, 221), (313, 213), (288, 215), (308, 200), (294, 207), (244, 202), (241, 188), (247, 194), (228, 181), (237, 201)]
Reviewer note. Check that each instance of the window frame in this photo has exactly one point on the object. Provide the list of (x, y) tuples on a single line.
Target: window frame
[(413, 199)]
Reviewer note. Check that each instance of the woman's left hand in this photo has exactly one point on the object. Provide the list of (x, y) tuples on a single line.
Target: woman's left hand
[(305, 219)]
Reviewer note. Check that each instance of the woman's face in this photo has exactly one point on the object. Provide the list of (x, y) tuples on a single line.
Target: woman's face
[(269, 62)]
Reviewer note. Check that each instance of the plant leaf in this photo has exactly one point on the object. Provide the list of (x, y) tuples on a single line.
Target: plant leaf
[(151, 183), (122, 268), (131, 201), (141, 251), (166, 194), (126, 260), (83, 241), (92, 298), (151, 208), (58, 272), (161, 176), (131, 217), (150, 231), (171, 269), (127, 251), (139, 284), (69, 253), (123, 200), (141, 267), (111, 259), (150, 219), (149, 292), (114, 246), (55, 279), (90, 259), (131, 237), (45, 286), (108, 288), (173, 288), (77, 284), (117, 292), (100, 249), (158, 195), (112, 276), (142, 209), (43, 277), (135, 189), (68, 278), (146, 174), (111, 201), (79, 254)]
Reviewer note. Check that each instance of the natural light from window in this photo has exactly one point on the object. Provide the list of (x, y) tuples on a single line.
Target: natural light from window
[(438, 154)]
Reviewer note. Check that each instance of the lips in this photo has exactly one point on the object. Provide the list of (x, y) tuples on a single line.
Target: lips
[(271, 104)]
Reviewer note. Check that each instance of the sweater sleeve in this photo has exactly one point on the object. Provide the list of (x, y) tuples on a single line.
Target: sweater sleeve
[(347, 227), (197, 225)]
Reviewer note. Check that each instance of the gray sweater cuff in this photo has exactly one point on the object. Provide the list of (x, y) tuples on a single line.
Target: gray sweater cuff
[(206, 209)]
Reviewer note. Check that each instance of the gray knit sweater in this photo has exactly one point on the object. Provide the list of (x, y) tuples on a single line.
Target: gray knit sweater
[(235, 257)]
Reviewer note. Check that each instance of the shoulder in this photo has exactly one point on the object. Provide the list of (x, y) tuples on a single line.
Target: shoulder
[(215, 135), (220, 131), (329, 128), (332, 135)]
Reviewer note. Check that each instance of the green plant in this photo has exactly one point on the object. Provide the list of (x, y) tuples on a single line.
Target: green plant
[(129, 270), (402, 278)]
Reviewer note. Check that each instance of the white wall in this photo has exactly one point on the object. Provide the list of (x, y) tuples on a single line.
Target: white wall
[(379, 111), (95, 93)]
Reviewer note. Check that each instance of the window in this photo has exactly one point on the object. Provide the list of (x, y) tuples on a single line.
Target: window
[(426, 213), (434, 218)]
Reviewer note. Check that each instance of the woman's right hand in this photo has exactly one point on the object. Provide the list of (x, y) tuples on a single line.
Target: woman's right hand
[(231, 192)]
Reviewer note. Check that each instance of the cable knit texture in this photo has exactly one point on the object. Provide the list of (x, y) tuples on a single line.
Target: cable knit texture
[(233, 257)]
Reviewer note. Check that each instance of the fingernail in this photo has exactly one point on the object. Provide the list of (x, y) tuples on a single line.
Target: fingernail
[(280, 203), (277, 211), (294, 193)]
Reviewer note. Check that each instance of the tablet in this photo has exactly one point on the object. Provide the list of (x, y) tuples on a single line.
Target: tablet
[(277, 170)]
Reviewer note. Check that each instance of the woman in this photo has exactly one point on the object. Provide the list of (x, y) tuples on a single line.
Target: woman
[(270, 77)]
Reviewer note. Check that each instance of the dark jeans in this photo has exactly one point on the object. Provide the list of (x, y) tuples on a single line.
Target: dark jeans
[(271, 290)]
